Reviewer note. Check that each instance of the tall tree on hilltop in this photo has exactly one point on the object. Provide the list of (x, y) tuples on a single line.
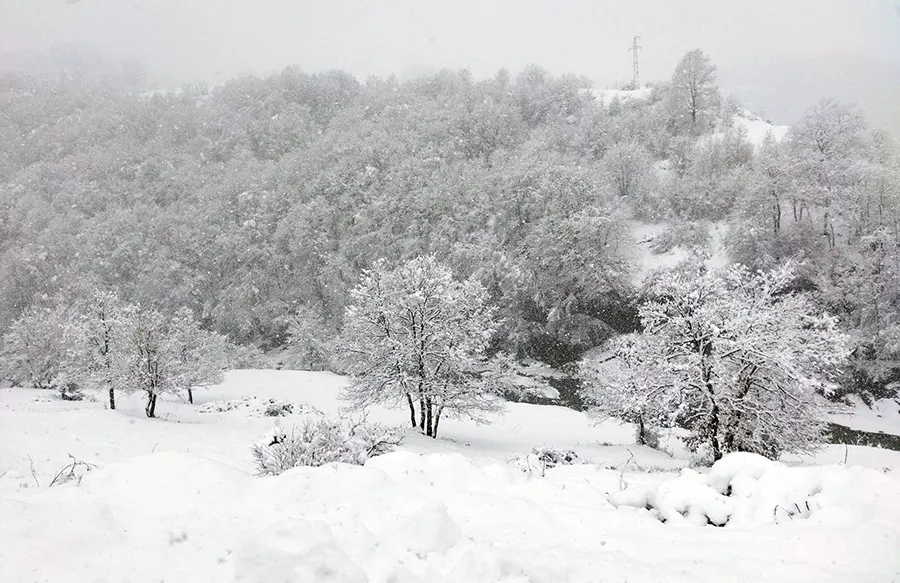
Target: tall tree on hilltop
[(695, 96)]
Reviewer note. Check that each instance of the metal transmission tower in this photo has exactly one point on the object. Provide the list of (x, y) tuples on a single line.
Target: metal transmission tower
[(635, 47)]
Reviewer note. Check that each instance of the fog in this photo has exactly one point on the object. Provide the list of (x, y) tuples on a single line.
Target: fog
[(754, 43)]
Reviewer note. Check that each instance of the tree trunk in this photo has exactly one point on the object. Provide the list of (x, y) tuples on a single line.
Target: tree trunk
[(150, 409), (112, 399), (776, 215), (641, 435), (422, 413), (412, 410), (437, 420), (712, 424), (429, 418), (712, 427), (191, 396)]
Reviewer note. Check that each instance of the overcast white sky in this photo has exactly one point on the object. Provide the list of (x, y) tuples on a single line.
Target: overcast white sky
[(214, 39)]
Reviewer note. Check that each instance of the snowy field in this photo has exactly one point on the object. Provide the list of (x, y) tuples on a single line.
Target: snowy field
[(175, 499)]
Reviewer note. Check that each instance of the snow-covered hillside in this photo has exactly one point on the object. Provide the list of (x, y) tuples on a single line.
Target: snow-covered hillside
[(175, 499), (606, 96), (758, 128), (645, 259), (882, 416)]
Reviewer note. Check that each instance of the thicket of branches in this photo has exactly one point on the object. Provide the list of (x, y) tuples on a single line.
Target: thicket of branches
[(257, 204)]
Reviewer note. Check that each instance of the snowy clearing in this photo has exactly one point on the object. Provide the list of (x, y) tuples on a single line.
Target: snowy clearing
[(758, 128), (175, 499), (606, 96), (883, 416)]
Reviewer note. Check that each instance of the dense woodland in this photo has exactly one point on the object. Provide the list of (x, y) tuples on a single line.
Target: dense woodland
[(257, 204)]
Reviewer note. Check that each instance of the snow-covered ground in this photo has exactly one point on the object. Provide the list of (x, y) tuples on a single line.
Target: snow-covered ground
[(606, 96), (882, 416), (757, 128), (645, 260), (175, 499)]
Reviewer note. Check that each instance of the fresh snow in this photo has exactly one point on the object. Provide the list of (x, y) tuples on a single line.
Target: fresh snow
[(606, 96), (175, 499), (883, 416), (757, 128), (646, 261)]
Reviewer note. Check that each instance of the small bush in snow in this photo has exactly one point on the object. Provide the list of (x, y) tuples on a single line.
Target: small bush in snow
[(71, 392), (541, 459), (277, 409), (320, 441), (554, 457), (74, 471), (258, 407)]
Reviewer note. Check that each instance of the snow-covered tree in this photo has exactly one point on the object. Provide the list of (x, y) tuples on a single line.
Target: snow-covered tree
[(827, 148), (738, 359), (624, 382), (630, 171), (416, 335), (165, 356), (694, 94), (308, 341), (40, 348), (101, 320), (200, 354), (147, 361)]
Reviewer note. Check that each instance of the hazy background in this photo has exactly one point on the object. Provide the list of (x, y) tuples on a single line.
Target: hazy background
[(779, 56)]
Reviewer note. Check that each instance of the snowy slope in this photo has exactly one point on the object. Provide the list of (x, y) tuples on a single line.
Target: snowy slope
[(606, 96), (645, 260), (174, 499), (757, 128), (883, 416)]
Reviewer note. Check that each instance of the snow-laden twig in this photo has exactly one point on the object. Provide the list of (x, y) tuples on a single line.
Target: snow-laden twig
[(623, 485), (33, 472), (68, 473)]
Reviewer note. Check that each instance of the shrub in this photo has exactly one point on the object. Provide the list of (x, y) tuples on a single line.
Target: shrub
[(256, 406), (278, 409), (688, 235), (319, 441), (71, 392), (541, 459), (554, 457)]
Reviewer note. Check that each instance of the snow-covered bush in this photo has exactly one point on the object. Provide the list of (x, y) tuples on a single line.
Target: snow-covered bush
[(542, 459), (555, 457), (70, 391), (256, 406), (318, 441), (746, 489), (241, 356), (278, 409)]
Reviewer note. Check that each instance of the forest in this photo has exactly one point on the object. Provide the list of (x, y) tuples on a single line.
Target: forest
[(257, 205)]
